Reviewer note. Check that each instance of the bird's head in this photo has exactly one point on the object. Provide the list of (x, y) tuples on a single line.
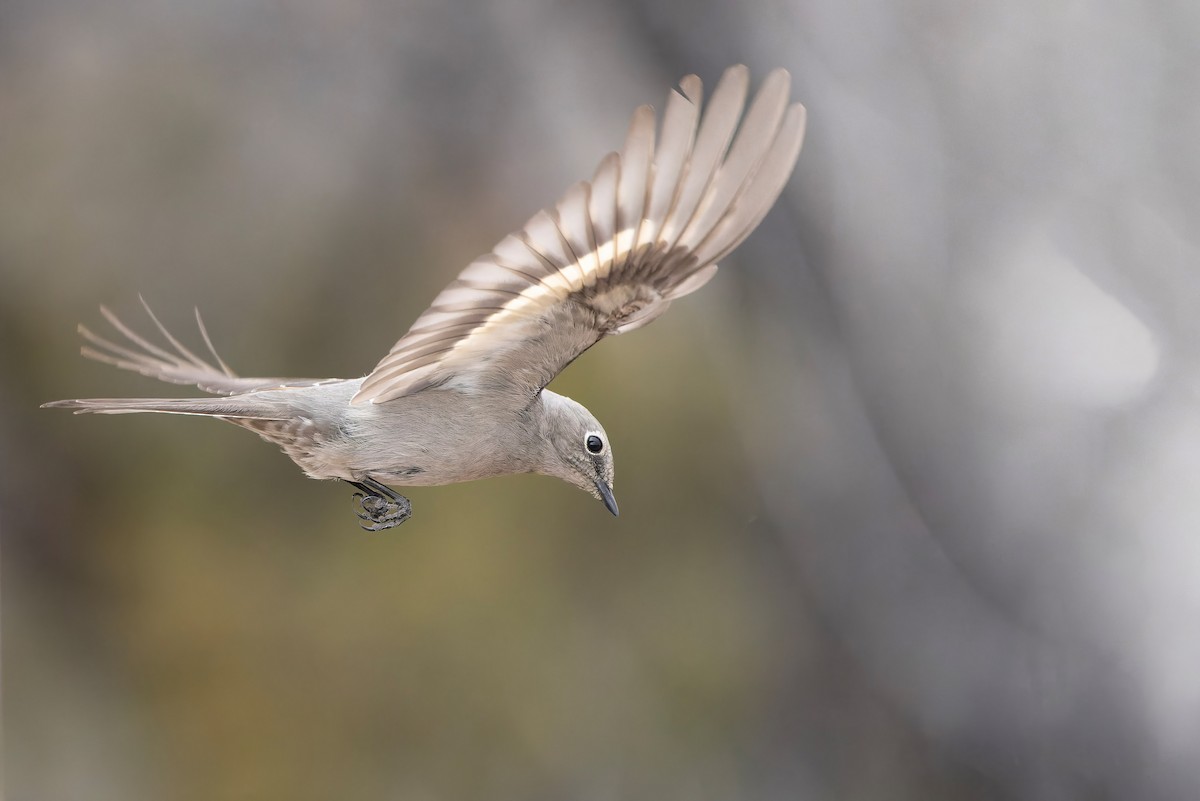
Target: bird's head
[(576, 448)]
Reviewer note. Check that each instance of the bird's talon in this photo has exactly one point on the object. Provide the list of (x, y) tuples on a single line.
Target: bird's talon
[(381, 513)]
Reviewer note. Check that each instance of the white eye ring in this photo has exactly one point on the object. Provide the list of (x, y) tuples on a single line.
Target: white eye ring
[(593, 443)]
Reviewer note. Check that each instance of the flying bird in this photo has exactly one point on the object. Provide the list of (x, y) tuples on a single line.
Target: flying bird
[(462, 395)]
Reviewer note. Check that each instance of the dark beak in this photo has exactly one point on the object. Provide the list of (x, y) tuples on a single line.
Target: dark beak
[(606, 495)]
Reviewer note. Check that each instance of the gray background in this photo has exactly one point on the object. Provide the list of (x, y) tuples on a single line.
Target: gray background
[(908, 492)]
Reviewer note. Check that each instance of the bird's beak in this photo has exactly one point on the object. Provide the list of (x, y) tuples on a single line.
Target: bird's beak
[(606, 495)]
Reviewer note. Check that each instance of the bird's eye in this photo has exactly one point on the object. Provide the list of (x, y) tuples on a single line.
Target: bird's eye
[(594, 444)]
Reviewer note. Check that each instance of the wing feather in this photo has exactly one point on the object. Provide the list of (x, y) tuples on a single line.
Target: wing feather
[(575, 225), (757, 131), (761, 195), (716, 129), (678, 133), (541, 234), (602, 200), (635, 174), (613, 253)]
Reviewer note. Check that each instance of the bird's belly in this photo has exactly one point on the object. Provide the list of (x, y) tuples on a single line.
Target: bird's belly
[(437, 471), (430, 439), (410, 476)]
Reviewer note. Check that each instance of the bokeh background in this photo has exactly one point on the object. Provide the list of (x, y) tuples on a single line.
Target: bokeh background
[(909, 492)]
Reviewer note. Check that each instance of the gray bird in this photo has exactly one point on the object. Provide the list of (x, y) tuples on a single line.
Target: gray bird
[(463, 394)]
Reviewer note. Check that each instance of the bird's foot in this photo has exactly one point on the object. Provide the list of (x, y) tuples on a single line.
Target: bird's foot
[(380, 507), (381, 513)]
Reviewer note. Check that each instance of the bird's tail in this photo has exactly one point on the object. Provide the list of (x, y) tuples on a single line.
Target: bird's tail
[(172, 361), (233, 407)]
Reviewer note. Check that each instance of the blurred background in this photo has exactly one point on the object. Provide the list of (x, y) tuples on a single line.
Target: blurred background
[(908, 493)]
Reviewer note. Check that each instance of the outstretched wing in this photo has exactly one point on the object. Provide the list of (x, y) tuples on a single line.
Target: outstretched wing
[(613, 253)]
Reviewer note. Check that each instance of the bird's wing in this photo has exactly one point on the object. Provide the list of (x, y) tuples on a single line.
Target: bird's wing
[(613, 253), (175, 364)]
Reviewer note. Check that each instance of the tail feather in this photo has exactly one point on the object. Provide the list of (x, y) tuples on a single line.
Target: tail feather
[(182, 366), (211, 407)]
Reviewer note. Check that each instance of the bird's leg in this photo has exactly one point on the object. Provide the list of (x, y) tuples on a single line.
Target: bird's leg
[(380, 505)]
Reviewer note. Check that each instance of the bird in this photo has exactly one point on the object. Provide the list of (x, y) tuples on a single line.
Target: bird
[(463, 394)]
